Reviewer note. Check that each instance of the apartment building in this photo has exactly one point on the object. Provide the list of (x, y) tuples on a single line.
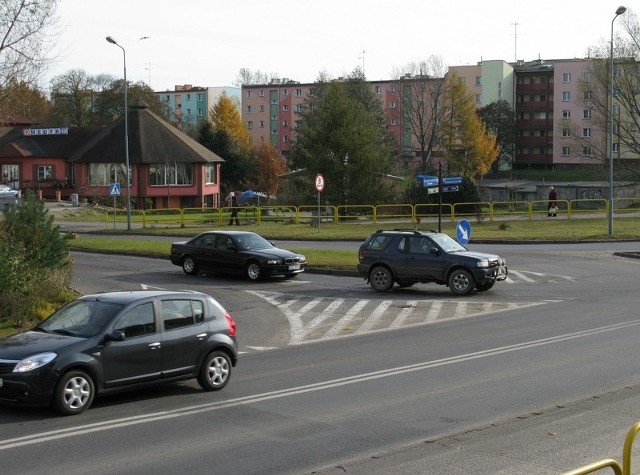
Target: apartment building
[(191, 104), (550, 98)]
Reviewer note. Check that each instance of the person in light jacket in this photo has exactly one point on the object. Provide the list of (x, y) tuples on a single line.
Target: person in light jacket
[(553, 202)]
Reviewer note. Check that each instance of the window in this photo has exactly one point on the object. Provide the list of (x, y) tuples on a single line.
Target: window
[(249, 93), (211, 175), (285, 108), (587, 95), (566, 150), (188, 97), (586, 151), (586, 114), (138, 321), (249, 109), (298, 92), (615, 147), (262, 124), (162, 174), (566, 132), (181, 313), (102, 174), (378, 90), (392, 88), (566, 77), (478, 98), (261, 92), (478, 80), (200, 97), (285, 139), (298, 108), (616, 109), (285, 92), (566, 114), (566, 96), (261, 108), (200, 112), (285, 123), (392, 105), (249, 124), (393, 122), (45, 172), (586, 76), (586, 132)]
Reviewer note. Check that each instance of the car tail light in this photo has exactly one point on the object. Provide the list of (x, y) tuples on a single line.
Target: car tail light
[(231, 323)]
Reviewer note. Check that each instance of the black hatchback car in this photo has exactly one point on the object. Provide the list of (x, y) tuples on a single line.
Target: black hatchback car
[(409, 257), (112, 341), (238, 252)]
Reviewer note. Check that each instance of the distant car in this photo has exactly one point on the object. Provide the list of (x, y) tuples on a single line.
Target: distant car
[(408, 257), (238, 252), (112, 341)]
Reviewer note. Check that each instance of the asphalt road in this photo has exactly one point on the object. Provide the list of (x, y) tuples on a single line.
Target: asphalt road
[(500, 382)]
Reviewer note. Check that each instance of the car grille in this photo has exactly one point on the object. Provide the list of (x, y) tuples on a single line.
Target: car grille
[(6, 366), (292, 260)]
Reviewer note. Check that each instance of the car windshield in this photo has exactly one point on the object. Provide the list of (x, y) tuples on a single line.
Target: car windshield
[(447, 243), (81, 318), (248, 242)]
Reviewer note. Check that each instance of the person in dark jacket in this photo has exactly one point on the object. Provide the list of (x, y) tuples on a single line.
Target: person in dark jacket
[(234, 211), (553, 202)]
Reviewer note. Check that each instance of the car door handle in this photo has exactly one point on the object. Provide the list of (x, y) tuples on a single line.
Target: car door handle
[(154, 346), (201, 336)]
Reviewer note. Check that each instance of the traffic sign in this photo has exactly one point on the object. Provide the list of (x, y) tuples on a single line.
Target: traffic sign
[(463, 231), (447, 189), (452, 180), (114, 189), (431, 191), (319, 182)]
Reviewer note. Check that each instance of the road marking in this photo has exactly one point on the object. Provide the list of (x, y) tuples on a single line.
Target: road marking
[(81, 430), (521, 276)]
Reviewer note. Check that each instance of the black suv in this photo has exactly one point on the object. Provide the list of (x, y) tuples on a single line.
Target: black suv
[(409, 257)]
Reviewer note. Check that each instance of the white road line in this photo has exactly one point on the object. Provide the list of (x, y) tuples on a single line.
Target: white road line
[(327, 313), (339, 327), (405, 313), (521, 276), (461, 310), (375, 316), (433, 313)]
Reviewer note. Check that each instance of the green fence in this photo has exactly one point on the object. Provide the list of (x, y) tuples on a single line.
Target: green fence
[(363, 213)]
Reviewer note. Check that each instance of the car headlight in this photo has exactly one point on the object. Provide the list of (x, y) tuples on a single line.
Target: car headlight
[(34, 362), (274, 262), (484, 263)]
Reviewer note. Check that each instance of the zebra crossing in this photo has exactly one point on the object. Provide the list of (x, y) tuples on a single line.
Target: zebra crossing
[(323, 318)]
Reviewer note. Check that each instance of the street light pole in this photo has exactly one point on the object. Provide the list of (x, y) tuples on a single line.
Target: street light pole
[(126, 132), (619, 12)]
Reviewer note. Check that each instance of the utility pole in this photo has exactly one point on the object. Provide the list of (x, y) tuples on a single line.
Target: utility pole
[(515, 41)]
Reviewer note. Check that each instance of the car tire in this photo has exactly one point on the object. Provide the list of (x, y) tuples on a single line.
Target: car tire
[(74, 393), (461, 282), (189, 265), (215, 371), (485, 286), (253, 271), (381, 279)]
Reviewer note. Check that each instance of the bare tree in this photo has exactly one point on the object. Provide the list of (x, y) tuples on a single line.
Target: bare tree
[(421, 91), (247, 76), (27, 28)]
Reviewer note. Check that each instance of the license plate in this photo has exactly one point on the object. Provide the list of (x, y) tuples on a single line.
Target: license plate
[(294, 267), (1, 382)]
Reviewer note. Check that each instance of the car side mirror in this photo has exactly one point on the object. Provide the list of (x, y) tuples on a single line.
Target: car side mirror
[(434, 251), (115, 335)]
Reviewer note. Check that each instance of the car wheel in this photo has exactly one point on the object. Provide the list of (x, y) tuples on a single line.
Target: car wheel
[(189, 265), (485, 286), (74, 393), (461, 282), (254, 272), (215, 371), (381, 279)]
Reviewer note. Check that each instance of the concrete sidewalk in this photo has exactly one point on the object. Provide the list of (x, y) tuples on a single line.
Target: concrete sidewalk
[(551, 442)]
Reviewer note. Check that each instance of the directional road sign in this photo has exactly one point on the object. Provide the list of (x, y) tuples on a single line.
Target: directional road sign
[(114, 189), (463, 231)]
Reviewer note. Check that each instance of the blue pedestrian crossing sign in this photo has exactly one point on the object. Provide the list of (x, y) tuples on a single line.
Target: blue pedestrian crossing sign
[(114, 189), (463, 231)]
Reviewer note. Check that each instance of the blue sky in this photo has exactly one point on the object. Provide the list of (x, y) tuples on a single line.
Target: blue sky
[(206, 42)]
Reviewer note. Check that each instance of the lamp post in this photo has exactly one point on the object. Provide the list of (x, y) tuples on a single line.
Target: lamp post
[(126, 132), (619, 12)]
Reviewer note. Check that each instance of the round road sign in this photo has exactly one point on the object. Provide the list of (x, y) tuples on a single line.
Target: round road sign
[(319, 182)]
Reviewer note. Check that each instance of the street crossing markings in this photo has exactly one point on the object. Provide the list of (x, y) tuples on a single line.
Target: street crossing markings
[(322, 318)]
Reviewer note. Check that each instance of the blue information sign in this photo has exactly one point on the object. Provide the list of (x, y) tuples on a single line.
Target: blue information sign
[(114, 189), (463, 231)]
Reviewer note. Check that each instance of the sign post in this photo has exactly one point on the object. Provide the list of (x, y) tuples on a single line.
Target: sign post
[(114, 190), (319, 184)]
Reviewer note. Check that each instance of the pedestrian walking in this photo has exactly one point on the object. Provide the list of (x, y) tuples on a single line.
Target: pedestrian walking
[(552, 210), (234, 211)]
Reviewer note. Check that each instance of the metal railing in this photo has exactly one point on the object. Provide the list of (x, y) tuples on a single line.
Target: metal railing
[(413, 213), (624, 469)]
